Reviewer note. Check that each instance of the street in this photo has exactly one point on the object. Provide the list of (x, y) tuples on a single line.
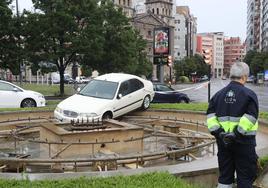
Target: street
[(199, 92)]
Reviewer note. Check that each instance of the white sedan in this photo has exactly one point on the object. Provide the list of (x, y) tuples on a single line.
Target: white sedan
[(12, 96), (107, 96)]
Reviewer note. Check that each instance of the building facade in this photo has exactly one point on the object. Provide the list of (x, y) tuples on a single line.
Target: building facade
[(162, 9), (212, 43), (158, 14), (139, 6), (264, 26), (180, 33), (253, 40), (185, 31), (234, 50), (127, 6)]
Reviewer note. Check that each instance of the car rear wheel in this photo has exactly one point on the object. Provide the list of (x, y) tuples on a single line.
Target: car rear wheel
[(28, 103), (107, 116), (146, 102)]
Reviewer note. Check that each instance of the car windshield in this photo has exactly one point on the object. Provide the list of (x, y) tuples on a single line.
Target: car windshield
[(100, 89), (163, 88)]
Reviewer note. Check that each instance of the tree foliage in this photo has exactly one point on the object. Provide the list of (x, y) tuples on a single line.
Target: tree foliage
[(10, 49), (257, 61), (92, 32), (191, 65)]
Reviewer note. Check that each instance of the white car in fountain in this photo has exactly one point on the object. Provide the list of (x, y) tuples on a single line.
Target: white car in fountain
[(107, 96), (13, 96)]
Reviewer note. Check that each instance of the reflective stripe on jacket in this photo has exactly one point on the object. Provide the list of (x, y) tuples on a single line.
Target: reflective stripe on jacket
[(234, 105)]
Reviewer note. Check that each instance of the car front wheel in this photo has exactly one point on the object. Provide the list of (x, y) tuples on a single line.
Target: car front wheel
[(146, 102), (107, 116), (28, 103), (183, 101)]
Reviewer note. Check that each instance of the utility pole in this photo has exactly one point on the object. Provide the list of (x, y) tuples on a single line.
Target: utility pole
[(18, 57)]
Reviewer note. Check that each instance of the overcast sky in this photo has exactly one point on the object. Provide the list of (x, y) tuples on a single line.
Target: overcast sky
[(228, 16)]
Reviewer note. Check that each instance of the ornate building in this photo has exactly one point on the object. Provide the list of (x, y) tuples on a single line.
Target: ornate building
[(146, 16), (126, 5)]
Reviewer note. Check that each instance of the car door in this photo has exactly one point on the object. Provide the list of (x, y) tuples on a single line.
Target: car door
[(124, 99), (10, 96), (137, 93)]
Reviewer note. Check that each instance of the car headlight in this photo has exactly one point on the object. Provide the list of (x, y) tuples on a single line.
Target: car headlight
[(59, 110), (88, 115), (41, 96)]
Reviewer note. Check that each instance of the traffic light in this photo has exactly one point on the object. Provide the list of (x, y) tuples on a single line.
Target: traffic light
[(169, 61), (206, 56)]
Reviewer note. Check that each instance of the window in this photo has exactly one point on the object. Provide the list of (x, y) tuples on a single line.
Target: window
[(135, 85), (100, 89), (153, 10), (124, 88), (157, 11), (163, 88), (149, 33), (6, 87)]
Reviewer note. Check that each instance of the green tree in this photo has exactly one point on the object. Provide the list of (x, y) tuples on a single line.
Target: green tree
[(123, 48), (257, 61), (86, 70), (10, 50), (61, 30), (249, 56), (191, 65), (94, 33)]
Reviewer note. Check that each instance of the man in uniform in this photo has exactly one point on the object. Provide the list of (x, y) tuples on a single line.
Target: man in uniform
[(232, 118)]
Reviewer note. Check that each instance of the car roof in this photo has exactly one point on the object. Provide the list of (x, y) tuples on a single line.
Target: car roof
[(116, 77)]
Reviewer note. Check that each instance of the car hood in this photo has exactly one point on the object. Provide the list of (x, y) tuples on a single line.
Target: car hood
[(33, 92), (84, 104)]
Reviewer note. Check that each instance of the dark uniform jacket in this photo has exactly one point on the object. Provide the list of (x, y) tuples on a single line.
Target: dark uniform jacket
[(235, 107)]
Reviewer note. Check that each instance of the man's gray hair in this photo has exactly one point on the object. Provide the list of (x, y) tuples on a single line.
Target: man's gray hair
[(238, 70)]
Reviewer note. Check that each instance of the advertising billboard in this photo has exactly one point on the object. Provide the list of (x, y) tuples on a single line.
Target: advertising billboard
[(161, 41)]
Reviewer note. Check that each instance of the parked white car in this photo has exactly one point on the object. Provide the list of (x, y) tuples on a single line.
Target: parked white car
[(12, 96), (107, 96)]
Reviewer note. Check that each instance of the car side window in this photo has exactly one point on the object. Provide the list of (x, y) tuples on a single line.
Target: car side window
[(163, 88), (124, 88), (6, 87), (135, 85)]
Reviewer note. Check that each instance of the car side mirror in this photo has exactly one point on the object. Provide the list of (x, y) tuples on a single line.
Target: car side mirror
[(119, 96), (15, 89)]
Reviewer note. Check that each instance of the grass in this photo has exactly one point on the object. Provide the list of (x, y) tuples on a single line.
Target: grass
[(49, 90), (149, 180), (195, 107), (182, 106), (51, 105), (263, 161)]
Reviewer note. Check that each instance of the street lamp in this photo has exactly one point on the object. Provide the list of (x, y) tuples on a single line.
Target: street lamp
[(207, 60)]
